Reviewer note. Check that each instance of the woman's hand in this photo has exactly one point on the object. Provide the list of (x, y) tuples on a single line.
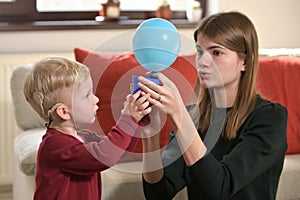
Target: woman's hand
[(152, 165), (154, 126), (165, 96)]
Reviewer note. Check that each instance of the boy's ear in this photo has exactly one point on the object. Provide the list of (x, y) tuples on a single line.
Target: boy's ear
[(63, 112)]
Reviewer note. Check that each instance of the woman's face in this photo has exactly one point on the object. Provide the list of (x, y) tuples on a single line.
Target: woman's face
[(84, 103), (218, 67)]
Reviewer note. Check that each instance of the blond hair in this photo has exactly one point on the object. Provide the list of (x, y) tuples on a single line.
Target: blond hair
[(50, 83), (236, 32)]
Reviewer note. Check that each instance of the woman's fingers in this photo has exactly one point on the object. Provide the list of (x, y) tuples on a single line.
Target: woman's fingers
[(163, 79), (149, 87)]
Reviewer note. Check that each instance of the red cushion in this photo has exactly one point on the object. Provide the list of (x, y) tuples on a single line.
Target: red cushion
[(278, 80), (111, 75)]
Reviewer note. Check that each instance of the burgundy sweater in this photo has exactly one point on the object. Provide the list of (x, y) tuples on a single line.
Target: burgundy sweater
[(70, 169)]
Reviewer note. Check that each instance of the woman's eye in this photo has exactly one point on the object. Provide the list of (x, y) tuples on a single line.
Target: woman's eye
[(217, 53)]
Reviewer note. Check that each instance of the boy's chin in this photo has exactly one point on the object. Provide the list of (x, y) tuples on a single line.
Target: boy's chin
[(86, 123)]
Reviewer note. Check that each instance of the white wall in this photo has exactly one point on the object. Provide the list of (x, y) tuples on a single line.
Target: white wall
[(276, 22), (65, 41)]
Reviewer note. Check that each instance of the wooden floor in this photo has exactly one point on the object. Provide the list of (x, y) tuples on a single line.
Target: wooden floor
[(6, 192)]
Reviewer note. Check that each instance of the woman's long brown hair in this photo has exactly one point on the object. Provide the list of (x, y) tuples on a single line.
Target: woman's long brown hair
[(236, 32)]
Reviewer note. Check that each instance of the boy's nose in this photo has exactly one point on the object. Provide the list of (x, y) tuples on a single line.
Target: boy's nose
[(96, 99)]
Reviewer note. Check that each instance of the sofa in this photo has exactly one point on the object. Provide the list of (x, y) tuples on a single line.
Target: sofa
[(278, 80)]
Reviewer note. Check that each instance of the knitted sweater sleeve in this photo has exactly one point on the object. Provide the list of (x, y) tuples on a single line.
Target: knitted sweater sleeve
[(72, 156)]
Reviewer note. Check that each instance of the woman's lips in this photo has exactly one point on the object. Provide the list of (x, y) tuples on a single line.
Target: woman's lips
[(203, 74)]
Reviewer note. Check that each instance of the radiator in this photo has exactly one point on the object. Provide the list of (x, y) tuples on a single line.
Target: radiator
[(8, 126)]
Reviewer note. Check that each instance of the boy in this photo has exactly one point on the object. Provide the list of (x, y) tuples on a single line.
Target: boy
[(69, 161)]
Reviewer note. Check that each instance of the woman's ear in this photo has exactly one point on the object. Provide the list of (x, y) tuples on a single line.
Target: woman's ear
[(63, 112), (243, 65)]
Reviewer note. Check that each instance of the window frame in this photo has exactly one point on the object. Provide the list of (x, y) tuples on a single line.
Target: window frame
[(25, 14), (25, 10)]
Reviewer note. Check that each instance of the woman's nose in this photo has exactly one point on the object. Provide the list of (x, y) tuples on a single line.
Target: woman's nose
[(204, 60), (201, 63)]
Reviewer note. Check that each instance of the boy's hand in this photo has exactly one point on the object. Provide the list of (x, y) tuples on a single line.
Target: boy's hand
[(137, 105)]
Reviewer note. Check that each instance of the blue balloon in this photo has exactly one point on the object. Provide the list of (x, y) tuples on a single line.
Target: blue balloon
[(156, 44)]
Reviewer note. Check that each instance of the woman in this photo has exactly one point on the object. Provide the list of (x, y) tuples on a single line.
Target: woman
[(233, 142)]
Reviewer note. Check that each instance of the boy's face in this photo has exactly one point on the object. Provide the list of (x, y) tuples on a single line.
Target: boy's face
[(84, 103)]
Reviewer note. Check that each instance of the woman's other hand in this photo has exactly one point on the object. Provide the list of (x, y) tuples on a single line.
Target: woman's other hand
[(165, 96)]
